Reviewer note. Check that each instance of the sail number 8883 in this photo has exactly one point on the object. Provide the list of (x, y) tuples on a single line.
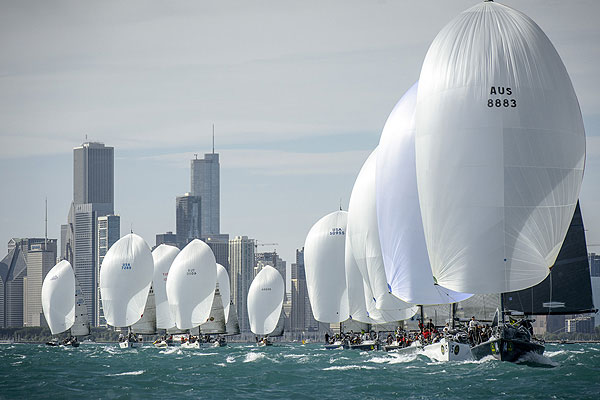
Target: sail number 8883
[(501, 103)]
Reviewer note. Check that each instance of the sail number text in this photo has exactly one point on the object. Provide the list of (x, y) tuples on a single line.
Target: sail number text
[(500, 91), (126, 266)]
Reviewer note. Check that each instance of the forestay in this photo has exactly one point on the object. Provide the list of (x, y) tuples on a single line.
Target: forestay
[(125, 279), (403, 246), (58, 297), (363, 235), (500, 150), (191, 284), (324, 254), (163, 257), (265, 300)]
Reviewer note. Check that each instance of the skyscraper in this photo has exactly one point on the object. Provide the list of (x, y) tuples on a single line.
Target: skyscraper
[(241, 260), (188, 220), (302, 318), (40, 259), (93, 197), (109, 231), (13, 270), (219, 244), (205, 184)]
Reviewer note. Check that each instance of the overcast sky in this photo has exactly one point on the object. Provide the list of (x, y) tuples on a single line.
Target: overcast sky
[(298, 91)]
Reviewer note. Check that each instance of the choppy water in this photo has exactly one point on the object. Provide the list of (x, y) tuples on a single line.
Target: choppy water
[(288, 371)]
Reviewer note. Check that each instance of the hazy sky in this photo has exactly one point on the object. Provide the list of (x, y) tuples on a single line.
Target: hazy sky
[(298, 91)]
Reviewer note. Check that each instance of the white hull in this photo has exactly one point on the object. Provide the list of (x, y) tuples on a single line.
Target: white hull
[(129, 345), (448, 350), (188, 345), (161, 345)]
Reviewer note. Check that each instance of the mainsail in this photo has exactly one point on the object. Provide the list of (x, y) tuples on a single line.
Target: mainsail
[(163, 257), (81, 326), (58, 297), (500, 151), (403, 246), (324, 257), (125, 279), (232, 326), (224, 289), (265, 300), (147, 324), (215, 324), (191, 284), (568, 289)]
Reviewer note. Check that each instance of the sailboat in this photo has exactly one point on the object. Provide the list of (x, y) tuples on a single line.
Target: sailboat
[(64, 305), (163, 257), (403, 246), (125, 280), (265, 302), (191, 287), (500, 151)]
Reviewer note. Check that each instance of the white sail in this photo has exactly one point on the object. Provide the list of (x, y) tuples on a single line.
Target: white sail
[(265, 300), (363, 234), (324, 263), (163, 257), (125, 279), (500, 151), (403, 246), (232, 326), (280, 327), (147, 324), (224, 289), (215, 324), (191, 284), (58, 297), (81, 326)]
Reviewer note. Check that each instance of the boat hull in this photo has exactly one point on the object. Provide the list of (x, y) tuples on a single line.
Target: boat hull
[(448, 350), (365, 346), (188, 345), (506, 349), (129, 345), (161, 345)]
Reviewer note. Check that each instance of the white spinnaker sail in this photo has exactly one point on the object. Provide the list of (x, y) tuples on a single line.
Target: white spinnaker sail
[(403, 246), (224, 289), (81, 326), (58, 297), (163, 257), (500, 151), (191, 284), (324, 263), (363, 234), (265, 300), (125, 279)]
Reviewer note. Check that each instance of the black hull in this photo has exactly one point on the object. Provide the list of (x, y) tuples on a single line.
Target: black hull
[(506, 349), (363, 347)]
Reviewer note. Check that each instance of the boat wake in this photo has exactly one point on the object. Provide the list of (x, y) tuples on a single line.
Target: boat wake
[(536, 360), (394, 359)]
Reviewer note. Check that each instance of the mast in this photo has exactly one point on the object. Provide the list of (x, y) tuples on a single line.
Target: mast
[(46, 227), (452, 314), (422, 317)]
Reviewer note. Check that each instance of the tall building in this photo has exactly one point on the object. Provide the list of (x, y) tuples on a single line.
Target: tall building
[(272, 259), (241, 259), (302, 318), (40, 258), (93, 197), (205, 184), (594, 264), (109, 231), (188, 219), (166, 238), (13, 270), (219, 244)]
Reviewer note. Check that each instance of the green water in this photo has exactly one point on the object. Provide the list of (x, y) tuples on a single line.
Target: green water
[(288, 371)]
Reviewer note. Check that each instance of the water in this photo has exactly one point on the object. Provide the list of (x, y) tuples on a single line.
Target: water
[(288, 371)]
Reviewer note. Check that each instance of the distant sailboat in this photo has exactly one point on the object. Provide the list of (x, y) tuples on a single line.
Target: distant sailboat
[(500, 152), (191, 286), (125, 280), (265, 302), (64, 305)]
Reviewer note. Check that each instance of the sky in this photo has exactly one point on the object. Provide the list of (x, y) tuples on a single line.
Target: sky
[(298, 92)]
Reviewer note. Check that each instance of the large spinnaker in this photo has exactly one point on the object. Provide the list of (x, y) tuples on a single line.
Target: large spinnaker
[(163, 256), (125, 279), (324, 263), (224, 289), (265, 300), (363, 236), (58, 297), (500, 151), (403, 246), (191, 284)]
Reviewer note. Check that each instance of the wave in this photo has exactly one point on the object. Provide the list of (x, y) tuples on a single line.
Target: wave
[(230, 359), (347, 367), (251, 357), (535, 359), (394, 359), (128, 373), (171, 350)]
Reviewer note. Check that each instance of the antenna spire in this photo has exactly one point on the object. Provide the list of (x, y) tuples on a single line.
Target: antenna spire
[(46, 227), (213, 138)]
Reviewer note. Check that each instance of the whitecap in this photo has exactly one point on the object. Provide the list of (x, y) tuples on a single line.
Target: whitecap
[(220, 364), (128, 373), (171, 350), (347, 367), (230, 359), (250, 357), (536, 358), (204, 354)]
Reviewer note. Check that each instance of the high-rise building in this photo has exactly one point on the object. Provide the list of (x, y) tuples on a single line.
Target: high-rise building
[(166, 238), (13, 270), (205, 184), (272, 259), (109, 231), (241, 260), (219, 244), (594, 264), (40, 258), (302, 318), (93, 197), (188, 220)]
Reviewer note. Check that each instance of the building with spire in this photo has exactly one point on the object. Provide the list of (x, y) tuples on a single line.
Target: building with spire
[(206, 185)]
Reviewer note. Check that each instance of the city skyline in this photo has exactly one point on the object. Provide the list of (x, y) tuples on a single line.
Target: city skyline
[(295, 115)]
